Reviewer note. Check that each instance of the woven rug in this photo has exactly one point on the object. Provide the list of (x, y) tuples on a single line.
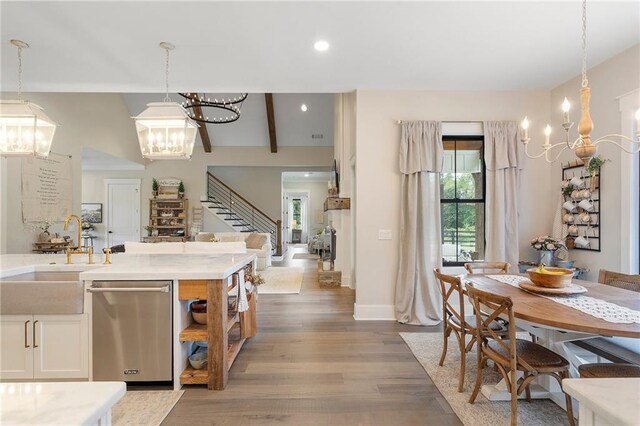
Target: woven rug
[(306, 256), (144, 407), (281, 280), (426, 347)]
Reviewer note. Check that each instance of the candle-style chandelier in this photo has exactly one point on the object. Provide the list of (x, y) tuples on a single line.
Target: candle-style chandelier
[(204, 109), (585, 148)]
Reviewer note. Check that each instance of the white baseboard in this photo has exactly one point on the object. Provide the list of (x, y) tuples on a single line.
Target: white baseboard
[(374, 312), (346, 281)]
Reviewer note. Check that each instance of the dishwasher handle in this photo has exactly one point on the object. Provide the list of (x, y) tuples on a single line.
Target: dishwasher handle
[(163, 289)]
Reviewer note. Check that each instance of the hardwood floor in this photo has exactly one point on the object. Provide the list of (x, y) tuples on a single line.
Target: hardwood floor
[(311, 363)]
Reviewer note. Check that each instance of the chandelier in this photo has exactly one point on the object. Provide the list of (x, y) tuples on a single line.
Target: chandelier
[(165, 130), (24, 127), (206, 110), (584, 147)]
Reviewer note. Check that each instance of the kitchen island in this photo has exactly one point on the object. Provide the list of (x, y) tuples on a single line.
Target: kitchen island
[(189, 276)]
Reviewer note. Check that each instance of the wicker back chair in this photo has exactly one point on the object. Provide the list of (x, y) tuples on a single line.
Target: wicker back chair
[(455, 320), (511, 354), (487, 268), (616, 279)]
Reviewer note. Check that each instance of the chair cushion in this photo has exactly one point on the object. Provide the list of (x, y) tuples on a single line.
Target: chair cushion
[(256, 241), (607, 370), (210, 248), (206, 237), (533, 354), (471, 321)]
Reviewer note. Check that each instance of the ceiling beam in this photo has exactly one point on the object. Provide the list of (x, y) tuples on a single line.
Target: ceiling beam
[(202, 130), (271, 121)]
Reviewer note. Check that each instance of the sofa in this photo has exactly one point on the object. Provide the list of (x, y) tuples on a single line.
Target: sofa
[(258, 243)]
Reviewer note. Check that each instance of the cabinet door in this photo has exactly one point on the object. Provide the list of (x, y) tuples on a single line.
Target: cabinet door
[(16, 347), (60, 346)]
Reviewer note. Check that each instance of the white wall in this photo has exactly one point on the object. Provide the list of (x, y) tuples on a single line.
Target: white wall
[(609, 80), (378, 179), (100, 121)]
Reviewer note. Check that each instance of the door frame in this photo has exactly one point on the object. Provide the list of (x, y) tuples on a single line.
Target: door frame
[(303, 194), (108, 182)]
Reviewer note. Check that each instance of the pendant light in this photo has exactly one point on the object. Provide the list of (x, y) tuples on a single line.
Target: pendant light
[(25, 130), (165, 130)]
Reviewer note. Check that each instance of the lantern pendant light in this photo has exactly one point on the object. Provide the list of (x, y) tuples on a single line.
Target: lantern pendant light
[(165, 130), (25, 130)]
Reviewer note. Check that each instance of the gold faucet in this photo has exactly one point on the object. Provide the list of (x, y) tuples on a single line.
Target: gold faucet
[(79, 248)]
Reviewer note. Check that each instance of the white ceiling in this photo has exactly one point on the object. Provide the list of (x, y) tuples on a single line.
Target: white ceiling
[(293, 127), (260, 47)]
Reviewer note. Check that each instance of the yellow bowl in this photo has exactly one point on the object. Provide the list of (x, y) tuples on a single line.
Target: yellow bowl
[(551, 280)]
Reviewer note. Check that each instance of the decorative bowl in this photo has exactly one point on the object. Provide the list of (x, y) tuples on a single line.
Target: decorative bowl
[(199, 306), (198, 360), (199, 317), (557, 278)]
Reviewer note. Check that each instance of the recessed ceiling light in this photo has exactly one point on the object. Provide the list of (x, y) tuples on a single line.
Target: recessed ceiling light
[(321, 45), (303, 107), (307, 174)]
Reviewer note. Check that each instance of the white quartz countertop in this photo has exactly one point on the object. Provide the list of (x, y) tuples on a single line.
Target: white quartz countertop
[(69, 403), (130, 266), (615, 400)]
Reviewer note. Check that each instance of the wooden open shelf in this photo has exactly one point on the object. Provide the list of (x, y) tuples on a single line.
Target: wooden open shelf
[(191, 376), (194, 333), (234, 349)]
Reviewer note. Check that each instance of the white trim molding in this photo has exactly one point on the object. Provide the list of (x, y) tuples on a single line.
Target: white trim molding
[(629, 188), (374, 312)]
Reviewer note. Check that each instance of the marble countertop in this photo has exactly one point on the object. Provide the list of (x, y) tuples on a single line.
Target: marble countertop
[(130, 266), (615, 400), (68, 403)]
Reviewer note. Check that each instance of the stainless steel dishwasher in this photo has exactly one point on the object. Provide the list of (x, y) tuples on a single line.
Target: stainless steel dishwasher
[(132, 327)]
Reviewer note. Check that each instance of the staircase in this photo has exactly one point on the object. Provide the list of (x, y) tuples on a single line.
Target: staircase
[(239, 213)]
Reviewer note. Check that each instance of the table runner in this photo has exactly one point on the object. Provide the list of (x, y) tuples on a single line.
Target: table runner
[(598, 308)]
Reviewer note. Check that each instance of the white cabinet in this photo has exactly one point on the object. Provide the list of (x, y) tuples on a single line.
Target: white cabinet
[(16, 350), (44, 346)]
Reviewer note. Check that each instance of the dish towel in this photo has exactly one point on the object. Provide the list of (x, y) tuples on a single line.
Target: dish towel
[(243, 303)]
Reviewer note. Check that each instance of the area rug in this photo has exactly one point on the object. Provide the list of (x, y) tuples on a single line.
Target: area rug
[(144, 407), (426, 348), (281, 280), (306, 256)]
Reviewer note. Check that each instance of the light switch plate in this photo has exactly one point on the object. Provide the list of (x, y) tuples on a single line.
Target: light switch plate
[(384, 234)]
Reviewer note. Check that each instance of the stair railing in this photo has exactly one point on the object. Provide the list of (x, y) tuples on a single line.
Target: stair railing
[(240, 210)]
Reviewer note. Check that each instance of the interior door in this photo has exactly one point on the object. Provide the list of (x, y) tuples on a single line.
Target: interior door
[(16, 348), (123, 210)]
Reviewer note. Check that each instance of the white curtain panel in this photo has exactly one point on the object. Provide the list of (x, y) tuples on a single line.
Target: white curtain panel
[(418, 299), (504, 161)]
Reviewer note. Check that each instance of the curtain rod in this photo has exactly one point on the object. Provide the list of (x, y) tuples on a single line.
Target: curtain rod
[(446, 121)]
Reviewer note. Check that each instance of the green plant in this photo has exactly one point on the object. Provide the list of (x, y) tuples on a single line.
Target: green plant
[(567, 190), (181, 187), (595, 164), (149, 229), (155, 186)]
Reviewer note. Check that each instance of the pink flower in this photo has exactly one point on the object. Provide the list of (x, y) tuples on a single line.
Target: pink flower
[(551, 247), (537, 246), (541, 239)]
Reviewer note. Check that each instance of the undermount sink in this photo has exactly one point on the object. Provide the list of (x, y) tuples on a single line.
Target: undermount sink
[(55, 292)]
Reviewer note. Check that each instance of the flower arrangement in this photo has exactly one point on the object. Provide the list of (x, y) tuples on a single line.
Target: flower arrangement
[(87, 226), (255, 279), (149, 230), (545, 243)]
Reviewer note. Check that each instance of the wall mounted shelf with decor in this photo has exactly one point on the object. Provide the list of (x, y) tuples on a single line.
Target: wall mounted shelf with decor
[(336, 203), (582, 192)]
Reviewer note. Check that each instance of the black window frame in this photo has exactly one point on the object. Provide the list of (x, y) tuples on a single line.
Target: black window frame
[(479, 138)]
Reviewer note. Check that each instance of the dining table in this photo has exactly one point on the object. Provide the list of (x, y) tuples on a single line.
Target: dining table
[(556, 325)]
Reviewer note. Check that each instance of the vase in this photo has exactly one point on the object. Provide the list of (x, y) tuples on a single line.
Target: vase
[(546, 257)]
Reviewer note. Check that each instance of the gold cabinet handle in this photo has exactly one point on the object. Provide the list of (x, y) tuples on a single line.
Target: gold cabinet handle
[(26, 343), (34, 334)]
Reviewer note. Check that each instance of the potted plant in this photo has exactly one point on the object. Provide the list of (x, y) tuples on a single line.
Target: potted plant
[(546, 247), (149, 230), (181, 190), (155, 187), (594, 166)]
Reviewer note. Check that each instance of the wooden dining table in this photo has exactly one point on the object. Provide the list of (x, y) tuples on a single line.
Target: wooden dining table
[(556, 325)]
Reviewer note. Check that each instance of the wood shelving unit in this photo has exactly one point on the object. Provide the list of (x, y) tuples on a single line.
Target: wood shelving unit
[(170, 218), (231, 333)]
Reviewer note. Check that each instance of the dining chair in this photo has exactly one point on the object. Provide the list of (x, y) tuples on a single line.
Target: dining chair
[(608, 370), (456, 322), (616, 279), (510, 354), (487, 267)]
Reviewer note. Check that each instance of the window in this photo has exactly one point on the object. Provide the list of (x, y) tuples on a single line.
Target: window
[(462, 200)]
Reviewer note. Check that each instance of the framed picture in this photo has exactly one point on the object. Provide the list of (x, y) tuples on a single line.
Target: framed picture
[(92, 212)]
